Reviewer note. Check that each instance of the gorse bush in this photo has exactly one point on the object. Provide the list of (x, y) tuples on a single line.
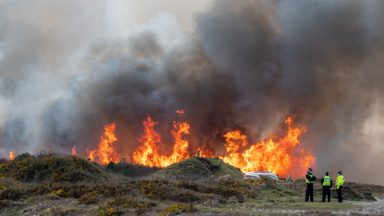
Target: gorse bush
[(178, 209), (199, 168), (89, 197), (51, 167)]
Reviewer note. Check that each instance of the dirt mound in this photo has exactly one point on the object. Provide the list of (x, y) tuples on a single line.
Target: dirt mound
[(198, 167), (51, 167)]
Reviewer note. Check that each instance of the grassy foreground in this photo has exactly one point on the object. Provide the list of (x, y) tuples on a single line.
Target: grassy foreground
[(64, 185)]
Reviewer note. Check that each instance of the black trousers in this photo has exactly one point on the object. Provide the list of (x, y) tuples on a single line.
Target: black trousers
[(309, 192), (326, 192), (340, 194)]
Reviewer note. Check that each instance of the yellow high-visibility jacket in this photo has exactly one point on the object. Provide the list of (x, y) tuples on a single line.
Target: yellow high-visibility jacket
[(327, 181), (339, 181)]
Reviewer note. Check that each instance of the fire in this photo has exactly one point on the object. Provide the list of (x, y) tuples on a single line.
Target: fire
[(12, 155), (180, 147), (74, 151), (91, 154), (106, 151), (204, 152), (148, 152), (281, 156), (235, 141)]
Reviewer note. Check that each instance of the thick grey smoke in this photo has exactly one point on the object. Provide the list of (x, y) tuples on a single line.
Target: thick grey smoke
[(38, 41), (319, 59), (247, 65)]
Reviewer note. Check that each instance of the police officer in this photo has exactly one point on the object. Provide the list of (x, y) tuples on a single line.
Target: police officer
[(326, 181), (309, 179), (339, 185)]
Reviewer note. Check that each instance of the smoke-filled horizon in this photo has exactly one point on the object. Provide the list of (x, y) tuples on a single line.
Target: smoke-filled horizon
[(244, 64)]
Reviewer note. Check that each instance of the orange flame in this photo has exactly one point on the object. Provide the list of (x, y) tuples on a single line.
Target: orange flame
[(204, 152), (106, 151), (281, 156), (74, 151), (180, 147), (12, 155), (235, 141), (147, 152), (91, 155)]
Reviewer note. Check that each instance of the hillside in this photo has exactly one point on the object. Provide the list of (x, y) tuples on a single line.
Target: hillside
[(198, 167), (52, 168), (51, 184)]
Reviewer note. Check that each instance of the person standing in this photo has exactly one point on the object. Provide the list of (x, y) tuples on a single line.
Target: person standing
[(326, 181), (288, 179), (339, 185), (310, 180)]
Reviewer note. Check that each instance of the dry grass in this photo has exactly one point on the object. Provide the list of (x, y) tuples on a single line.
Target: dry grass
[(133, 196), (136, 195)]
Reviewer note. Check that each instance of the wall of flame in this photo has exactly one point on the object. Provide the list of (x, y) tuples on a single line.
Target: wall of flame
[(283, 155)]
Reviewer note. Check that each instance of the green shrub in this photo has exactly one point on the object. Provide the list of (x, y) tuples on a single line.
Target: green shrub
[(58, 193), (199, 168), (51, 167), (89, 197), (108, 211), (178, 209), (154, 189)]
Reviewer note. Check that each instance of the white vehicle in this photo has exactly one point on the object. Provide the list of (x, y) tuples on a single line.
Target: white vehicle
[(251, 175), (261, 175)]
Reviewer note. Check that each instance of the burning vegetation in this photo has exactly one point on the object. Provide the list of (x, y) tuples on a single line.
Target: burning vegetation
[(106, 151), (280, 154), (12, 155)]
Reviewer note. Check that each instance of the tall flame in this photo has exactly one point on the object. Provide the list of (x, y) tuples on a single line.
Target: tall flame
[(235, 141), (180, 146), (283, 156), (106, 151), (147, 153), (12, 155)]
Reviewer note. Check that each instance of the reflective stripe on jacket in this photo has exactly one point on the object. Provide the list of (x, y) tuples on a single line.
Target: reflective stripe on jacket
[(327, 181), (309, 181)]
